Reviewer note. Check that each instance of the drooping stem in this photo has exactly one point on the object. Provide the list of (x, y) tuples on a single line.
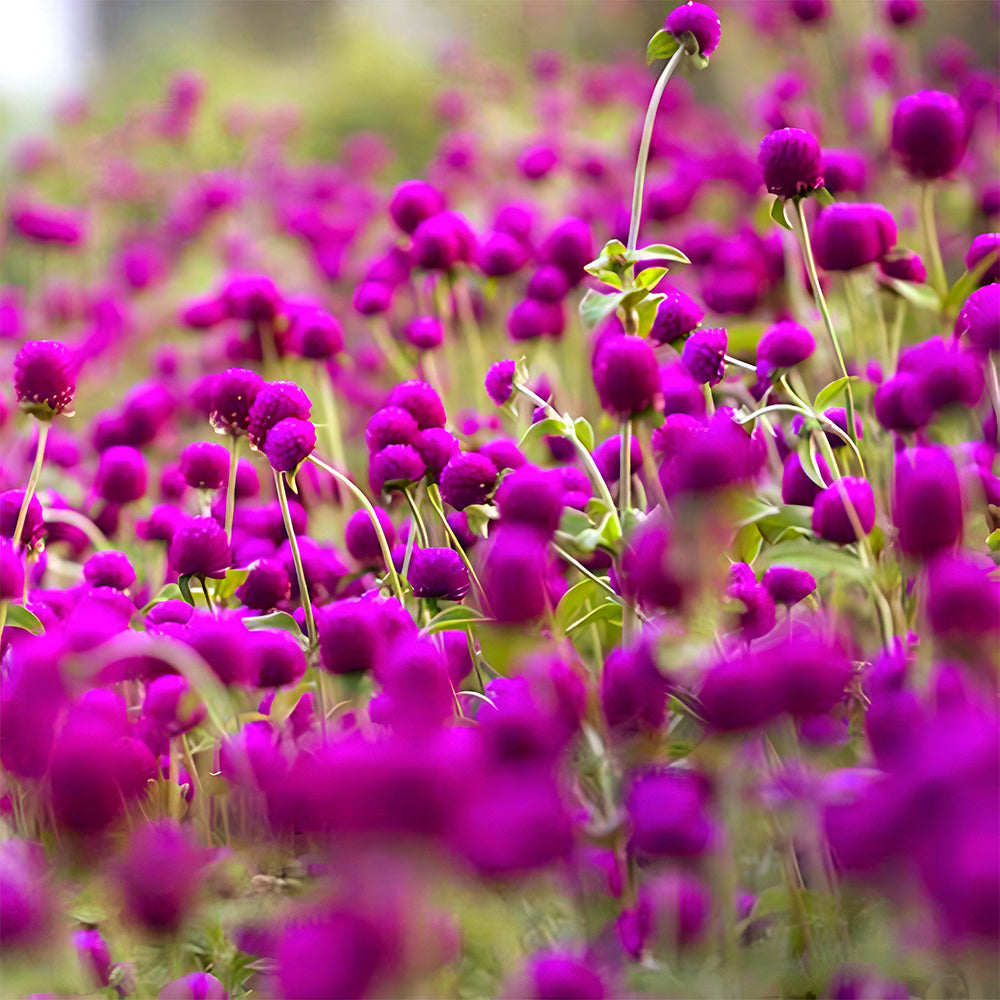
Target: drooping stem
[(36, 471), (647, 135), (383, 542), (300, 573), (798, 222), (234, 448), (939, 280)]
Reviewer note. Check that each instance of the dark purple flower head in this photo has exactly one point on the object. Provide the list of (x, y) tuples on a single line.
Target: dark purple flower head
[(676, 316), (647, 573), (109, 569), (315, 334), (548, 284), (555, 976), (530, 319), (442, 241), (849, 236), (45, 378), (11, 573), (904, 265), (790, 161), (266, 585), (512, 573), (569, 246), (831, 519), (289, 443), (500, 381), (538, 161), (468, 478), (626, 375), (34, 524), (634, 689), (171, 703), (787, 584), (929, 134), (500, 255), (701, 21), (412, 202), (425, 333), (47, 224), (783, 345), (926, 502), (810, 11), (436, 447), (608, 456), (421, 400), (757, 617), (903, 12), (351, 636), (985, 245), (372, 298), (963, 597), (204, 313), (362, 541), (94, 955), (681, 393), (233, 394), (121, 475), (439, 574), (532, 497), (252, 297), (27, 908), (946, 372), (390, 425), (704, 355), (205, 466), (199, 548), (395, 466), (278, 657), (194, 986), (275, 401), (669, 810), (979, 320), (844, 170)]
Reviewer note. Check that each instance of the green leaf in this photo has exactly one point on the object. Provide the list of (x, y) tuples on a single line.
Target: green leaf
[(651, 276), (993, 540), (548, 425), (747, 544), (458, 616), (572, 521), (753, 509), (21, 617), (277, 621), (478, 516), (168, 592), (609, 277), (228, 584), (921, 296), (788, 519), (184, 583), (615, 249), (817, 559), (584, 432), (609, 611), (661, 251), (574, 601), (830, 392), (595, 307), (807, 456), (631, 298), (661, 46), (969, 282), (778, 214), (823, 196), (285, 700), (647, 310)]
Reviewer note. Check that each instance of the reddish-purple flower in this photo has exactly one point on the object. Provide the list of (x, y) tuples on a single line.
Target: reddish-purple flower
[(790, 160), (45, 378)]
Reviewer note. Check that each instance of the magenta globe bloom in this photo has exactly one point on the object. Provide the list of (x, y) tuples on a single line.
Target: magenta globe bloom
[(233, 394), (669, 813), (626, 375), (395, 466), (11, 572), (421, 401), (790, 161), (831, 518), (121, 475), (438, 574), (985, 245), (109, 569), (274, 402), (500, 381), (676, 316), (930, 131), (266, 585), (468, 478), (926, 502), (788, 585), (701, 21), (45, 378), (849, 236), (194, 986), (704, 355), (289, 443), (784, 345), (425, 333), (361, 539), (205, 466), (979, 320), (199, 547), (412, 202)]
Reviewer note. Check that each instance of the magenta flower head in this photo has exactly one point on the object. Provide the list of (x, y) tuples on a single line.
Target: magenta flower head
[(930, 131), (194, 986), (438, 574), (425, 333), (274, 402), (646, 574), (11, 572), (278, 657), (701, 21), (315, 334), (530, 319), (849, 236), (788, 585), (289, 443), (45, 378), (790, 161), (441, 241), (233, 394), (669, 810), (395, 466), (26, 904), (985, 245), (553, 976), (569, 246), (963, 597), (412, 202), (362, 541), (352, 636), (979, 320), (512, 573), (390, 425), (205, 466), (199, 548), (372, 298), (784, 345), (500, 381), (121, 475), (844, 170), (532, 497), (252, 297), (500, 255), (676, 316), (468, 478), (266, 585), (48, 224), (831, 518), (903, 12), (548, 284), (926, 502), (704, 355), (94, 955), (904, 265), (421, 401), (626, 375), (633, 689), (109, 569)]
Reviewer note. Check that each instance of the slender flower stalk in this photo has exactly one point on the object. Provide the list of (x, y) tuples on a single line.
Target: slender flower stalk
[(434, 495), (234, 449), (36, 471), (331, 419), (938, 278), (279, 485)]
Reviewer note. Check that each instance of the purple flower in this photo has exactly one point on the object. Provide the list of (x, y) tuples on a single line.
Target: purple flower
[(843, 170), (421, 401), (758, 615), (790, 160), (436, 447), (394, 466), (904, 265), (47, 224), (199, 548), (512, 574), (634, 689), (11, 573), (537, 162), (963, 597), (252, 297), (468, 478), (233, 394), (441, 241), (26, 905), (626, 375), (849, 236), (810, 11), (903, 12), (556, 976), (530, 319), (783, 345), (676, 316), (289, 443), (266, 585), (390, 425), (351, 636), (45, 378), (500, 255), (438, 574), (532, 497), (205, 466), (669, 813), (274, 402), (704, 355), (548, 284), (372, 298), (929, 134), (94, 955), (315, 334), (121, 475), (787, 584), (982, 246), (412, 202), (831, 519), (361, 539), (279, 660), (701, 21), (425, 333), (979, 320), (194, 986), (568, 246), (500, 381), (646, 573), (926, 502), (109, 569)]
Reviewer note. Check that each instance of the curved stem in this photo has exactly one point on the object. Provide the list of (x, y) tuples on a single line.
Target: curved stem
[(300, 573), (434, 495), (418, 521), (647, 135), (331, 418), (234, 447), (939, 280), (36, 471)]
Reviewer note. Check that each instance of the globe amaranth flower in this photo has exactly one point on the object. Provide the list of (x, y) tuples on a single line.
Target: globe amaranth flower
[(279, 658), (832, 518), (436, 446), (783, 345), (626, 375), (425, 333), (395, 466), (926, 502), (233, 394), (121, 475), (361, 539), (289, 443), (45, 378), (468, 478), (438, 574), (787, 584), (843, 170), (790, 161), (412, 202), (274, 402), (676, 316), (903, 265), (985, 245), (421, 401), (704, 355), (11, 572), (530, 319), (205, 466), (669, 813), (109, 569), (849, 236), (701, 21), (266, 585), (500, 381), (569, 246), (252, 297), (199, 547), (390, 425), (979, 320), (532, 497), (315, 334), (500, 255), (930, 131)]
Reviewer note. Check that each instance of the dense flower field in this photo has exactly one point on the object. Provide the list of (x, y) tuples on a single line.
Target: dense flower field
[(571, 573)]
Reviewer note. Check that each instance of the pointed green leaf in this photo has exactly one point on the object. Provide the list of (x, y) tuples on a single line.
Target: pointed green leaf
[(823, 196), (21, 617), (584, 432), (830, 392), (660, 251), (969, 282), (608, 611), (747, 544), (548, 425), (454, 618), (227, 585), (651, 276), (574, 600), (807, 456), (817, 559), (277, 621), (661, 46), (573, 521), (778, 214), (613, 249), (920, 296), (168, 592), (647, 312), (595, 307), (478, 517)]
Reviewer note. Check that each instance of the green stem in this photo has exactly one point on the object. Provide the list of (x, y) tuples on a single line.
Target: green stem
[(383, 543), (798, 222), (36, 471), (331, 418), (625, 468), (300, 573), (3, 617), (434, 495), (234, 448), (563, 554), (418, 521), (939, 280), (647, 135)]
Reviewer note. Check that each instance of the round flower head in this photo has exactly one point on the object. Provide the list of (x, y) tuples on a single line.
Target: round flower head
[(500, 381), (788, 585), (467, 479), (421, 401), (810, 11), (351, 637), (11, 573), (537, 162), (929, 134), (394, 466), (926, 502), (26, 904), (849, 236), (633, 689), (548, 284), (94, 955), (676, 316), (704, 355), (532, 497), (790, 160), (275, 401), (903, 12), (109, 569), (512, 574), (425, 333), (252, 297), (831, 519), (205, 466), (669, 813), (500, 255), (44, 378), (783, 345), (701, 21), (390, 425), (266, 585), (963, 596), (979, 320), (552, 976), (626, 375), (436, 446), (412, 202), (985, 245), (441, 241), (362, 541), (904, 265), (289, 443), (439, 574), (199, 548), (233, 394), (843, 170), (372, 298), (279, 659), (569, 246), (121, 475), (316, 334), (194, 986)]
